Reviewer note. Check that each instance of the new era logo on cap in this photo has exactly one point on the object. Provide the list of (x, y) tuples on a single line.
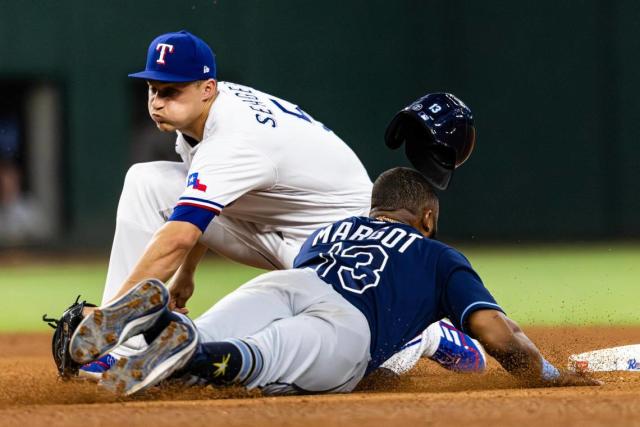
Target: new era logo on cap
[(178, 57)]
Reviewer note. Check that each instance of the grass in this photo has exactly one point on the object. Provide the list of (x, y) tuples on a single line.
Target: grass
[(550, 285), (29, 291), (593, 284)]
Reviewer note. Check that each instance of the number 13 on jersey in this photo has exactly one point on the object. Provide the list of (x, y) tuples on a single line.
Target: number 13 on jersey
[(359, 266)]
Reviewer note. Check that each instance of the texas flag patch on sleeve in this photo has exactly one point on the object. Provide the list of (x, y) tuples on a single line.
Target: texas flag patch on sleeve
[(194, 182), (197, 210)]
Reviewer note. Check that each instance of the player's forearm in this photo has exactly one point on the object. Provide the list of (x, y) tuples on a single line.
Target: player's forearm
[(183, 282), (503, 339), (163, 256), (520, 357), (193, 258)]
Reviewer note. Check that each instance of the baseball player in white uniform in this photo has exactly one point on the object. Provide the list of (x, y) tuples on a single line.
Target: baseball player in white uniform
[(258, 176)]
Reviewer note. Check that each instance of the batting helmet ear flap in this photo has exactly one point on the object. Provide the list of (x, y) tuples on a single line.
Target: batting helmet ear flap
[(395, 135), (435, 163)]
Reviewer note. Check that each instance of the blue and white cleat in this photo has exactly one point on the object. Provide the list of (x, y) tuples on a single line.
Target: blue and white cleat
[(94, 370), (168, 353), (457, 351), (443, 343), (109, 326)]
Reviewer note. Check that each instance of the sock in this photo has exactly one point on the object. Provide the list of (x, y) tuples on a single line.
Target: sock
[(442, 330), (232, 361), (431, 339), (160, 324), (455, 350)]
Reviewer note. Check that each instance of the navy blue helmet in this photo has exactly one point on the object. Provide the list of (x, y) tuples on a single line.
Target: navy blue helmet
[(438, 134)]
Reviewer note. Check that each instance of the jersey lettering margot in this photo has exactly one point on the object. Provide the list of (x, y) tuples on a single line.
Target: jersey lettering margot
[(265, 161), (401, 281)]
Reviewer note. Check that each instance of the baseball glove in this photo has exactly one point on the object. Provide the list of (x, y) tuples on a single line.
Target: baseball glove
[(64, 328)]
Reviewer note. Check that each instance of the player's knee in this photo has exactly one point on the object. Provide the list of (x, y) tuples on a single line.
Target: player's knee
[(142, 176), (136, 173)]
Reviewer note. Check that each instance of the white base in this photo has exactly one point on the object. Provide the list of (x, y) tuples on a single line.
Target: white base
[(624, 358)]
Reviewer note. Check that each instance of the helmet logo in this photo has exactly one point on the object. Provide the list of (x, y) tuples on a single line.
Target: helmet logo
[(435, 108), (417, 107)]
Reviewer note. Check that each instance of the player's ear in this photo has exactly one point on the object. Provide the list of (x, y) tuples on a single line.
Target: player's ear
[(429, 221), (209, 88)]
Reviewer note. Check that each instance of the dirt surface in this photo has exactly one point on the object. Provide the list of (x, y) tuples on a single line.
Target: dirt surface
[(31, 395)]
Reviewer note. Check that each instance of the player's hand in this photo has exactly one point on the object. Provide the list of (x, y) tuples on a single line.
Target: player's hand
[(180, 291), (574, 379)]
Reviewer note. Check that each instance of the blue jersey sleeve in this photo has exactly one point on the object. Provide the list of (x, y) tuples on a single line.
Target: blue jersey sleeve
[(463, 291)]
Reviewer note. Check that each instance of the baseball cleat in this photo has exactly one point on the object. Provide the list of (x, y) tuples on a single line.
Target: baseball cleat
[(457, 351), (110, 325), (93, 371), (168, 353)]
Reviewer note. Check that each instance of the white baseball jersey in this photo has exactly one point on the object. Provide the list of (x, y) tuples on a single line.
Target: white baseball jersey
[(268, 170), (265, 161)]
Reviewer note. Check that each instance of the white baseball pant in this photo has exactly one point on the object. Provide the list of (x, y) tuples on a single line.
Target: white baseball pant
[(148, 197)]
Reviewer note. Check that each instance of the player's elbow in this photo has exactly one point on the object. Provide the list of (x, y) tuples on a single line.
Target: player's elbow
[(178, 236), (183, 243), (502, 338), (508, 341), (514, 351), (501, 347)]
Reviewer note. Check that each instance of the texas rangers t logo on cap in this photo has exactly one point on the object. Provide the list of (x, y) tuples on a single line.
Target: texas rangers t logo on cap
[(162, 47)]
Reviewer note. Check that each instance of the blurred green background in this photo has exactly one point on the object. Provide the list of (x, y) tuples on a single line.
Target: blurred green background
[(547, 206), (575, 285), (553, 85)]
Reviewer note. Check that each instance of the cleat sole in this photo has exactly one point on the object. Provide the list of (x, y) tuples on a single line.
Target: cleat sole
[(111, 325), (168, 353)]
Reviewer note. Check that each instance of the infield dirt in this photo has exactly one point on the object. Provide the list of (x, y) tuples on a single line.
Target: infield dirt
[(31, 395)]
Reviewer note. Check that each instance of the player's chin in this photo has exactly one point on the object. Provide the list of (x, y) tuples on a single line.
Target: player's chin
[(165, 127)]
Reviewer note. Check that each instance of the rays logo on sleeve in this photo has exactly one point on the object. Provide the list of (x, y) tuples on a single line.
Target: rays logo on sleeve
[(194, 182)]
